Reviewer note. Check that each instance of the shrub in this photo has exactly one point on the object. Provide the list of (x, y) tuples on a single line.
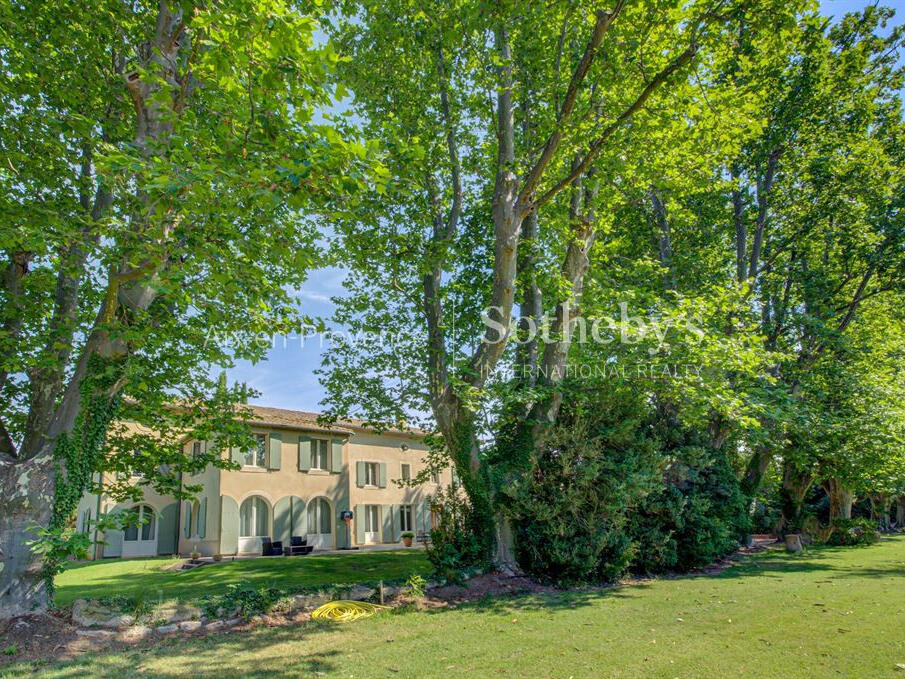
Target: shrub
[(407, 534), (458, 539), (569, 513), (699, 516), (853, 532), (416, 584), (244, 598)]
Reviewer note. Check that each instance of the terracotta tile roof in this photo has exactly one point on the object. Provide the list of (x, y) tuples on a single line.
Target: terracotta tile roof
[(300, 419)]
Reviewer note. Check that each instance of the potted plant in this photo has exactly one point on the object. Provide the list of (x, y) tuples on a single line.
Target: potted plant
[(218, 557), (195, 555), (407, 538)]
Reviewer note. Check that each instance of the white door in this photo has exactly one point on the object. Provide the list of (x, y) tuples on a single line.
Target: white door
[(372, 524), (140, 535), (320, 524)]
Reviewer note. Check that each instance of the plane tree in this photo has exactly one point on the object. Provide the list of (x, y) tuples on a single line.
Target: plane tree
[(155, 158)]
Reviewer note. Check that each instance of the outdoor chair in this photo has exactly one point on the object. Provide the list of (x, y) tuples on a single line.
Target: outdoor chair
[(298, 546), (270, 548)]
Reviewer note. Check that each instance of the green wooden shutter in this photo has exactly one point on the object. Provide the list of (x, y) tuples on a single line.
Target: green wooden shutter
[(236, 456), (389, 525), (229, 525), (423, 517), (282, 519), (167, 529), (382, 475), (340, 533), (202, 518), (304, 453), (336, 464), (187, 520), (276, 451), (359, 521), (114, 543), (360, 474), (299, 522)]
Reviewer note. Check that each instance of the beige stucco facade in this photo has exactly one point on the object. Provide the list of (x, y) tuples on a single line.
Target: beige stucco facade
[(298, 482)]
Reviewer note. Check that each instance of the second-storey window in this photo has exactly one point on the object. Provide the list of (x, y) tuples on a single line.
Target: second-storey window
[(135, 472), (196, 450), (257, 456), (406, 472), (319, 453), (370, 473)]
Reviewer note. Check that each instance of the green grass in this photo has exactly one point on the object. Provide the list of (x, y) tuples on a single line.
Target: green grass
[(146, 579), (830, 612)]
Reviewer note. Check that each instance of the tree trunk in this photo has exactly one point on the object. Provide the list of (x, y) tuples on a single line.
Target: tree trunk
[(841, 499), (900, 512), (26, 501), (879, 510), (795, 485), (756, 470)]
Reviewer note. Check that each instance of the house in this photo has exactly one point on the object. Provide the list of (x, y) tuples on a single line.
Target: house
[(297, 481)]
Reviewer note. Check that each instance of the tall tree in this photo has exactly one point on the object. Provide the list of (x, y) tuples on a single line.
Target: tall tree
[(509, 130), (154, 158), (818, 203)]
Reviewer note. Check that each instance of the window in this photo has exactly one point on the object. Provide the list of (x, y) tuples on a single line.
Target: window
[(136, 455), (257, 456), (196, 450), (406, 472), (319, 448), (140, 524), (319, 517), (405, 517), (435, 477), (371, 519), (254, 518), (371, 474)]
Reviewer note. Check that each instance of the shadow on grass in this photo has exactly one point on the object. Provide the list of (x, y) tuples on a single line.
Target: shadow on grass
[(815, 559), (147, 580), (257, 653)]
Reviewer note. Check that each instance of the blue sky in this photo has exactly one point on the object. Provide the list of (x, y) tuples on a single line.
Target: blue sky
[(287, 380)]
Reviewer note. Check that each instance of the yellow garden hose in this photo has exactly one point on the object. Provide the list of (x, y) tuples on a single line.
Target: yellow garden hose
[(345, 611)]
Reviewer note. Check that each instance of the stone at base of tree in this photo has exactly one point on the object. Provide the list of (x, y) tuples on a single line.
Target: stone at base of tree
[(189, 625), (793, 542), (95, 633), (91, 614), (166, 629), (137, 633)]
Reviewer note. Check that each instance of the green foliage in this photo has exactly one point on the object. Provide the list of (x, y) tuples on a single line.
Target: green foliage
[(416, 585), (700, 515), (407, 534), (244, 598), (458, 540), (853, 532), (12, 649), (569, 512)]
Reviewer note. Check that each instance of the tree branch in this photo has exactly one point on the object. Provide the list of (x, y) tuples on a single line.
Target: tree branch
[(597, 145), (601, 27)]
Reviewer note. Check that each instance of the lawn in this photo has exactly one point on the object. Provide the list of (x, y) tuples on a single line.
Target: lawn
[(829, 612), (147, 579)]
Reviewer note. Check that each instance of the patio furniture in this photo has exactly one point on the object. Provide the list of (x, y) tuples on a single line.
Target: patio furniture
[(271, 548), (298, 546)]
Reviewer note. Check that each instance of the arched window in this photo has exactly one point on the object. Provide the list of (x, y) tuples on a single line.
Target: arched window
[(254, 518), (141, 524), (319, 517)]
